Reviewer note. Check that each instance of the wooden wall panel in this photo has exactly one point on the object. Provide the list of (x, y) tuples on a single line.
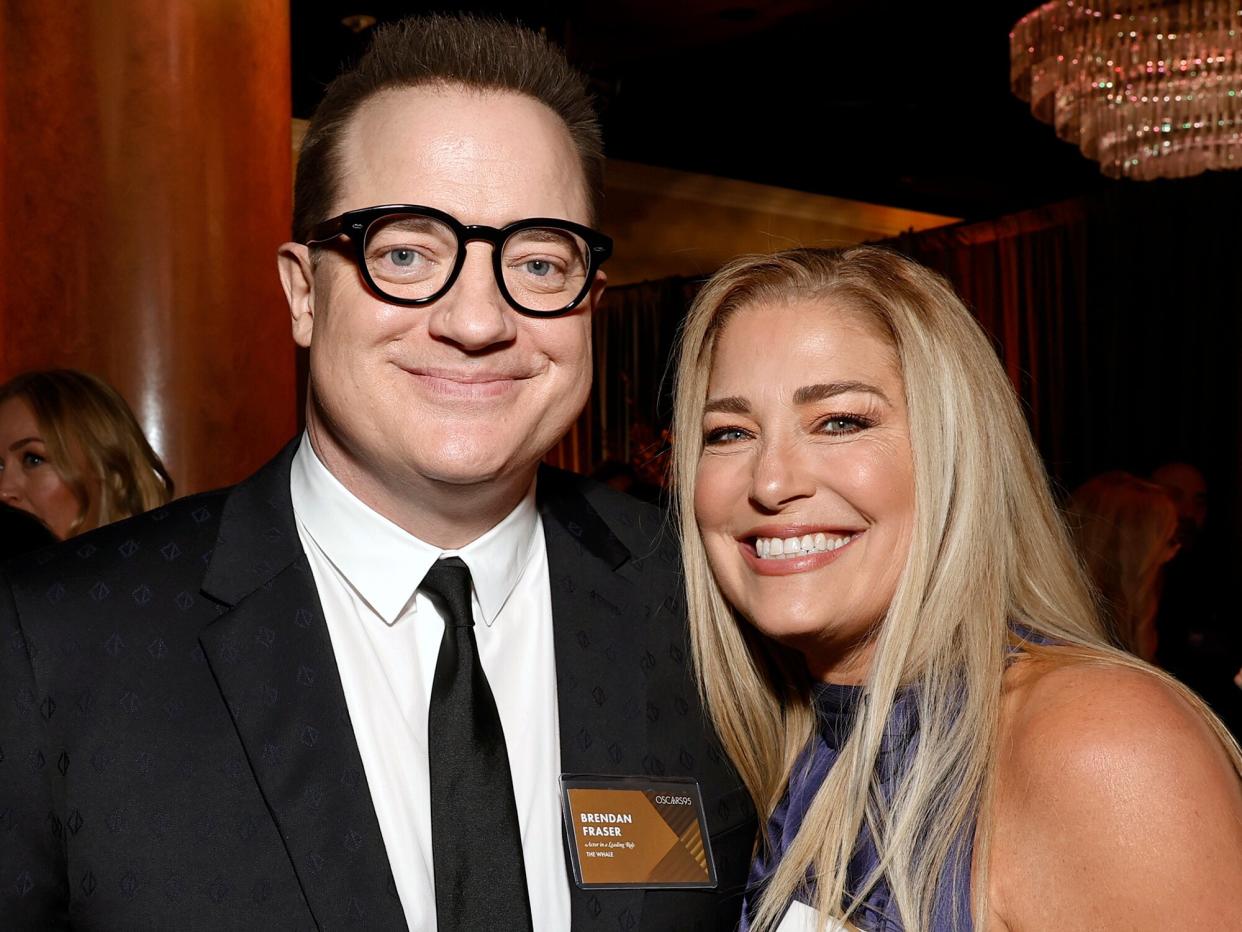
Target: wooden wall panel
[(144, 187)]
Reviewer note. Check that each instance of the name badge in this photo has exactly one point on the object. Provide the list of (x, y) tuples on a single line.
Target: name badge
[(636, 832)]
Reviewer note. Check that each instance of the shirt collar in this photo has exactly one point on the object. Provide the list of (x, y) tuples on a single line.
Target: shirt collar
[(384, 563)]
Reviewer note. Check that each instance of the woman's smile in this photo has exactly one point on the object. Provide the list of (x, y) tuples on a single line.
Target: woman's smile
[(789, 554)]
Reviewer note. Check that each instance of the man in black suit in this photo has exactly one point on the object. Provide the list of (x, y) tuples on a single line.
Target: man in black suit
[(341, 693)]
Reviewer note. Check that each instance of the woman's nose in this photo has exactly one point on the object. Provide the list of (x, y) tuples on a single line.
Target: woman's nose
[(10, 492), (780, 476)]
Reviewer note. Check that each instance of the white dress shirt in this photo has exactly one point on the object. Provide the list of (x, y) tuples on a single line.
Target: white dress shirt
[(386, 637)]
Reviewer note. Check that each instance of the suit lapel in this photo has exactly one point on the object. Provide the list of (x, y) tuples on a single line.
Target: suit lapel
[(272, 659), (598, 609)]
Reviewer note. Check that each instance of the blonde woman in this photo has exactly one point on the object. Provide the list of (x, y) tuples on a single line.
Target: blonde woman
[(72, 453), (896, 642), (1126, 531)]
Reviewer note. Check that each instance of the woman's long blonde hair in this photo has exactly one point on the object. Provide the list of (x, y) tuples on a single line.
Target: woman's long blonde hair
[(85, 420), (1124, 528), (989, 556)]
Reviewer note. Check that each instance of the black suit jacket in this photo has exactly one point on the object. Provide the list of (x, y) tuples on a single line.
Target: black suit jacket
[(176, 752)]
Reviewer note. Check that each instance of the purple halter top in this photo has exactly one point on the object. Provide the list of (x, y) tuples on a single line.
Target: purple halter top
[(835, 705)]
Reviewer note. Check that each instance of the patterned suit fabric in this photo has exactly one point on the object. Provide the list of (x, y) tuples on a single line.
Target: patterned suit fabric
[(176, 752)]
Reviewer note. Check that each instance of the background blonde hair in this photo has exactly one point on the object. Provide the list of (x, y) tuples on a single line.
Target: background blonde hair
[(1124, 528), (989, 565), (82, 418)]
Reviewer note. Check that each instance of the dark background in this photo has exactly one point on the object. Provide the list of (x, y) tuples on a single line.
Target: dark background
[(903, 104)]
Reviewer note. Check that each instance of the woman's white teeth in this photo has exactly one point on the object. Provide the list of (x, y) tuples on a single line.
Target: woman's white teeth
[(780, 549)]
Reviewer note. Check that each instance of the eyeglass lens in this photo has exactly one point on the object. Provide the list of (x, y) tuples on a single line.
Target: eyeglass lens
[(411, 257)]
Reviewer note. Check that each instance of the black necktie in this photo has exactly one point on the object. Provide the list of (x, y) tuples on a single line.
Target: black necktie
[(476, 842)]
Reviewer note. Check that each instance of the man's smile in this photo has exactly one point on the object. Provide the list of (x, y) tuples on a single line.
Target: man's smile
[(467, 383)]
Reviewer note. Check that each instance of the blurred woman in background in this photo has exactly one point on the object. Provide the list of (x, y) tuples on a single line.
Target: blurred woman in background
[(72, 453), (1126, 531)]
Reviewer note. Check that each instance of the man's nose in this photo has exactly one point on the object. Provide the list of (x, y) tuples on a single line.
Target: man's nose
[(779, 475), (474, 314)]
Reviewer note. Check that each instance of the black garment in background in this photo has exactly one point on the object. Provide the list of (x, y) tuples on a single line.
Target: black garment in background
[(1200, 633), (177, 749), (21, 532)]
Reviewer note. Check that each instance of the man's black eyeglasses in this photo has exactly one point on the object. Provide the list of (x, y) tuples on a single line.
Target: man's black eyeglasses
[(412, 255)]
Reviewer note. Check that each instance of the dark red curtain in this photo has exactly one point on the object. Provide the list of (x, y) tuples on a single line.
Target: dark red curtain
[(634, 331), (1024, 279)]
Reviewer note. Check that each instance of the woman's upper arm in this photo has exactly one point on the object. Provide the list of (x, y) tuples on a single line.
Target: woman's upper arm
[(1116, 807)]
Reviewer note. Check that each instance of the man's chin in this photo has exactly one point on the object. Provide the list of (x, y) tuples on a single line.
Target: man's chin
[(478, 472), (465, 478)]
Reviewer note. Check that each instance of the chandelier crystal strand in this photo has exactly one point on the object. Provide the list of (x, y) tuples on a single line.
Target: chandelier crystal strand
[(1148, 89)]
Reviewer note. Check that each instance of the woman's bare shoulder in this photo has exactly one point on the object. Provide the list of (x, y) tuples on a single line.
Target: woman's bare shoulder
[(1073, 703), (1116, 805)]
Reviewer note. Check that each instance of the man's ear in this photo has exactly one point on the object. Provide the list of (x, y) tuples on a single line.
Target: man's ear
[(297, 276), (597, 288)]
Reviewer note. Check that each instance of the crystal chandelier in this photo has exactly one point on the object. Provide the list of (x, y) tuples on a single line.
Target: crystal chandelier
[(1148, 89)]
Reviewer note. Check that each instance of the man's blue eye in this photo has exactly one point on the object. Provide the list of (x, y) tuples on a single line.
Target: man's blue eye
[(403, 257), (539, 267)]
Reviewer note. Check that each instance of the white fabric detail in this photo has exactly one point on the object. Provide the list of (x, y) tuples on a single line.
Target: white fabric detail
[(802, 918)]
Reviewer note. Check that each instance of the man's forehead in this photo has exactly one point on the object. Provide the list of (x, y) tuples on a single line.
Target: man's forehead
[(461, 149)]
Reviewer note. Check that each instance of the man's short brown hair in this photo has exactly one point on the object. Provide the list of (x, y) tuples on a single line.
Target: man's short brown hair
[(466, 50)]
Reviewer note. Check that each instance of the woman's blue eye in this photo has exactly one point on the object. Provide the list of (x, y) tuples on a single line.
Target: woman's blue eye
[(844, 424), (724, 435)]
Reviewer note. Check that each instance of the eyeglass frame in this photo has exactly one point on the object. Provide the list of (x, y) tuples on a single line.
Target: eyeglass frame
[(356, 224)]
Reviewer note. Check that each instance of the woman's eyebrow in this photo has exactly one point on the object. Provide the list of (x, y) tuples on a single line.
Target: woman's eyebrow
[(734, 404), (25, 440), (809, 394)]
